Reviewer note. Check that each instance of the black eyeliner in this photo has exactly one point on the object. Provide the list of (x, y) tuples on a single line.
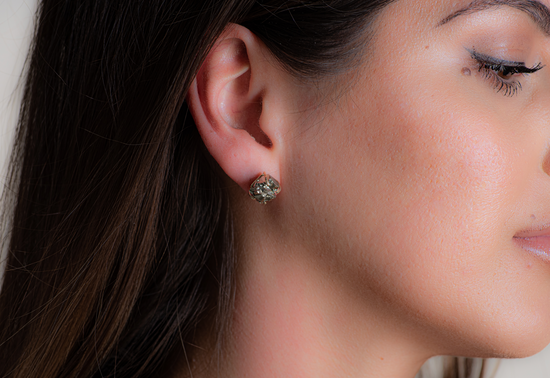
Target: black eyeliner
[(496, 63)]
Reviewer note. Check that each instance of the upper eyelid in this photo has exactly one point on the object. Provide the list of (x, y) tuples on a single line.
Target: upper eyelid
[(490, 59), (520, 67)]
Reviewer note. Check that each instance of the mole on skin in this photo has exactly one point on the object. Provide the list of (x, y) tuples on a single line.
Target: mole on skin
[(466, 71)]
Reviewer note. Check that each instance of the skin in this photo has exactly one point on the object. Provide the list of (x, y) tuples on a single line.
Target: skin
[(393, 238)]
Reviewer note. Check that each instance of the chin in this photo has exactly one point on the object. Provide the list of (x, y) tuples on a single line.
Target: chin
[(525, 347), (519, 342)]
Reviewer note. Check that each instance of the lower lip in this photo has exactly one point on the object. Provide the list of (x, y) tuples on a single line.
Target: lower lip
[(538, 245)]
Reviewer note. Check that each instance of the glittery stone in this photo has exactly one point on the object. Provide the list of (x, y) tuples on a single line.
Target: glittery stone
[(264, 189)]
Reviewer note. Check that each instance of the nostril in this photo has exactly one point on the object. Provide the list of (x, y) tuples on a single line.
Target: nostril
[(546, 161)]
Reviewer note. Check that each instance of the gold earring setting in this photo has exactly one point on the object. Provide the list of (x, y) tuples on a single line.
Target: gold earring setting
[(264, 189)]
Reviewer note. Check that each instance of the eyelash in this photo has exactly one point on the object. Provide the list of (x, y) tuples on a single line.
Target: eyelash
[(492, 68)]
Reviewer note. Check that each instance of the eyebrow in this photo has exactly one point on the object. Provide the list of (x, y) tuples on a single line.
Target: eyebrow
[(536, 10)]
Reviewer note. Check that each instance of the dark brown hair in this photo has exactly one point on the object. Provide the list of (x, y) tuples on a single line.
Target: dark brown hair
[(120, 238)]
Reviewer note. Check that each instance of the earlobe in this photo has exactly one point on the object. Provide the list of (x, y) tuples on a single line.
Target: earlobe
[(226, 101)]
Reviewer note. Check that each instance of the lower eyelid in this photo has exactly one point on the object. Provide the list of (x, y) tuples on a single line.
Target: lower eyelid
[(508, 87)]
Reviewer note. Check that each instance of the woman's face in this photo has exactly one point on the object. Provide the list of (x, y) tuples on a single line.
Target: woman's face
[(427, 171)]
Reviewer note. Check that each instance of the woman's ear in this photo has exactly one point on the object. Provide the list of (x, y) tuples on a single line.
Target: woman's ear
[(234, 103)]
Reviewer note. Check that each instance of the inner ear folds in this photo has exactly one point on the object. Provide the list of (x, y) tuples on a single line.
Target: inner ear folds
[(231, 100), (248, 120), (235, 100)]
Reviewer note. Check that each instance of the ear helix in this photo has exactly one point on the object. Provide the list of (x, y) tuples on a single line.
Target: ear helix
[(264, 189)]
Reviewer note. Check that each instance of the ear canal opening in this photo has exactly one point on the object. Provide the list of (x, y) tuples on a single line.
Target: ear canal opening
[(244, 113), (256, 132)]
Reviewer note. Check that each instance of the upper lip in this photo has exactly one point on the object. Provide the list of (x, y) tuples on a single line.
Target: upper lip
[(533, 232)]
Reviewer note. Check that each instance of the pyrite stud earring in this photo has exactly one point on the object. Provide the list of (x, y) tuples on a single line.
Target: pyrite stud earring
[(264, 189)]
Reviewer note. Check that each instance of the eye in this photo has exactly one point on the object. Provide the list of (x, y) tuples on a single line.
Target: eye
[(502, 74)]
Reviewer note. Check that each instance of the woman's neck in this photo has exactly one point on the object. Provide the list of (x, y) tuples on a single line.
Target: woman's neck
[(293, 318)]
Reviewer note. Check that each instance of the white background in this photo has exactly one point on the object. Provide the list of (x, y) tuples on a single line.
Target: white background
[(15, 29), (16, 18)]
